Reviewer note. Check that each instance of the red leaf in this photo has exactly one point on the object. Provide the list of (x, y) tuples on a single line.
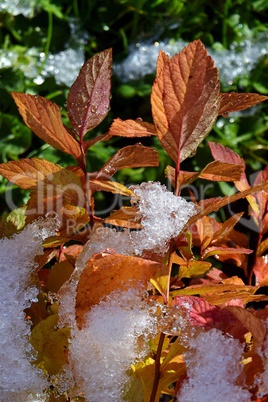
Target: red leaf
[(233, 102), (89, 97), (187, 92), (261, 271), (44, 118), (131, 128), (225, 154)]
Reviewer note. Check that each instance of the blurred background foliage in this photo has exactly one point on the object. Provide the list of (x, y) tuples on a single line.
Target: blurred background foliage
[(44, 43)]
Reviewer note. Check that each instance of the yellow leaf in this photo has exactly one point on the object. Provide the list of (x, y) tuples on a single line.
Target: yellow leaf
[(51, 344), (194, 268)]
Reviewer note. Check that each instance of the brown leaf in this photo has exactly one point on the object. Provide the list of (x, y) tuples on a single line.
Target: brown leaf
[(89, 97), (233, 102), (222, 171), (105, 273), (131, 128), (110, 186), (44, 118), (132, 156), (250, 321), (59, 274), (26, 173), (187, 92)]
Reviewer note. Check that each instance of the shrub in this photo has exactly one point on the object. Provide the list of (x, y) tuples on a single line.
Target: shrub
[(157, 297)]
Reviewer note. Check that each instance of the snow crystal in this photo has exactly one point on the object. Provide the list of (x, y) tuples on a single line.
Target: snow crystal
[(237, 61), (16, 7), (17, 269), (38, 67), (114, 336), (164, 215), (213, 364)]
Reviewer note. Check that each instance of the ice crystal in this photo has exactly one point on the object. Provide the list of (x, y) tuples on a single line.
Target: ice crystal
[(213, 365), (115, 336), (17, 269)]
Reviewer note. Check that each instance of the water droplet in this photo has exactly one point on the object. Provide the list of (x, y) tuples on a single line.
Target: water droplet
[(225, 114)]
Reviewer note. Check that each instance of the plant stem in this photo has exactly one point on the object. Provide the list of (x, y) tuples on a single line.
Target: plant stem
[(224, 23), (157, 372), (253, 260)]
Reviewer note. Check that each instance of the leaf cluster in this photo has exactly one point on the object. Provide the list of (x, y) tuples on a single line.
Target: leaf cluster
[(186, 102)]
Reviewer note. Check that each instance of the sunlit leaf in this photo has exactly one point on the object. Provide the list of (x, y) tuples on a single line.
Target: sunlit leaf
[(227, 251), (233, 102), (194, 268), (215, 205), (132, 156), (58, 192), (110, 186), (131, 128), (106, 272), (44, 118), (26, 173), (214, 171), (89, 96), (187, 91), (226, 227)]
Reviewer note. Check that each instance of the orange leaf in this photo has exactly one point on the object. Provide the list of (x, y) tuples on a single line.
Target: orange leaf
[(131, 128), (105, 273), (125, 217), (110, 186), (26, 173), (221, 202), (233, 102), (187, 92), (54, 193), (89, 97), (44, 118), (226, 228), (132, 156), (214, 171), (225, 251)]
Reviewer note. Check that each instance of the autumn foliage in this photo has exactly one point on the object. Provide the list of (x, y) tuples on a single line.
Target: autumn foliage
[(186, 278)]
